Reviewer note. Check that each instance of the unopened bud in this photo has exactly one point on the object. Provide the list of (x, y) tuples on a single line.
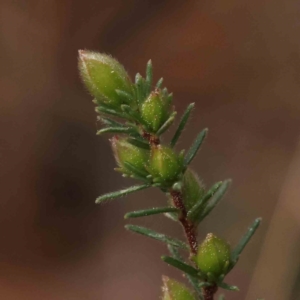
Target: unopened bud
[(173, 290), (103, 75), (213, 256), (165, 164), (192, 190), (127, 153), (154, 111)]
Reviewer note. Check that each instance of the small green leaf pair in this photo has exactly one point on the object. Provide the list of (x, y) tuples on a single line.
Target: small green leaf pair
[(160, 163)]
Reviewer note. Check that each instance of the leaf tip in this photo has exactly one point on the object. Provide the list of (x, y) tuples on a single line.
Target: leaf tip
[(227, 181), (128, 227), (258, 220), (98, 200), (163, 257)]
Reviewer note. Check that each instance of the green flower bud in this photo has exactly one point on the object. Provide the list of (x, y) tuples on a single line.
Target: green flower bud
[(213, 256), (154, 111), (165, 164), (192, 189), (173, 290), (127, 153), (103, 75)]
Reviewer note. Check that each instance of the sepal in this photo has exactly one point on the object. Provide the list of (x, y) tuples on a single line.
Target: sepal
[(213, 257), (155, 111), (174, 290), (105, 78), (192, 189), (130, 158), (165, 165)]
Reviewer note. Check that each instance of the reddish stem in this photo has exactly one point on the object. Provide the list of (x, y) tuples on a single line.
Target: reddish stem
[(209, 291), (191, 234), (152, 139), (189, 228)]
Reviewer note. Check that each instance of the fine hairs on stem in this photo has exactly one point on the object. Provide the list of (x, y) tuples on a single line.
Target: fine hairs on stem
[(138, 114)]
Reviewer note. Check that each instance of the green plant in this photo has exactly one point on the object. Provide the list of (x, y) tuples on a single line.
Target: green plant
[(140, 115)]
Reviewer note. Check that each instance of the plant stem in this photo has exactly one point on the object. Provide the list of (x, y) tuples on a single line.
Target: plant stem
[(152, 139), (188, 227), (209, 291), (191, 235)]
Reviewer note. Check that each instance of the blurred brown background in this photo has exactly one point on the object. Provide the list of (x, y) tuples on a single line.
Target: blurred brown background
[(237, 59)]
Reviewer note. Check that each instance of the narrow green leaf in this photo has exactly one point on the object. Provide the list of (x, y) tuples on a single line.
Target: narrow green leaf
[(170, 98), (141, 143), (157, 236), (108, 111), (195, 147), (214, 200), (167, 124), (135, 176), (140, 88), (243, 242), (222, 297), (174, 252), (128, 110), (133, 114), (165, 92), (110, 122), (181, 266), (172, 216), (137, 78), (126, 130), (197, 209), (192, 280), (159, 83), (97, 102), (182, 124), (134, 170), (121, 193), (149, 76), (149, 212), (228, 287), (125, 96)]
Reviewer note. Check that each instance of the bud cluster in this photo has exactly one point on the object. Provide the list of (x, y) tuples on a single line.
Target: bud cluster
[(144, 116), (138, 113)]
